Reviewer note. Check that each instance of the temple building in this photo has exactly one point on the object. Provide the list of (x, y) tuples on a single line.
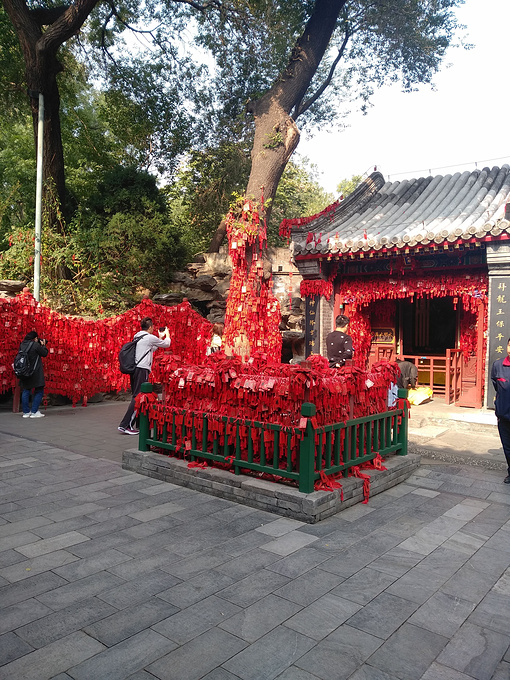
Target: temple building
[(422, 268)]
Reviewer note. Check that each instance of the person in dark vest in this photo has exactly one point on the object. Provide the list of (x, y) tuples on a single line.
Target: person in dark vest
[(36, 351), (408, 374), (500, 376), (338, 343)]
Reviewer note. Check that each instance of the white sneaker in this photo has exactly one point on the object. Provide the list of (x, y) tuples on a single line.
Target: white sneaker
[(38, 414), (26, 415)]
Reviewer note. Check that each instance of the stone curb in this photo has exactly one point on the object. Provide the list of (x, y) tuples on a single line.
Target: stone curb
[(271, 496)]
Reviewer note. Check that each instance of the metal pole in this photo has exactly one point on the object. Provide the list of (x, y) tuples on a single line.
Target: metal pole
[(38, 198)]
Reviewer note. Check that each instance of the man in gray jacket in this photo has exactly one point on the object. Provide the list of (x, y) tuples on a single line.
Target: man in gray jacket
[(145, 349)]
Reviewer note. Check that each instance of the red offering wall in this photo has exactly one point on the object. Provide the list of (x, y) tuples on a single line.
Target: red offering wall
[(271, 392), (82, 358)]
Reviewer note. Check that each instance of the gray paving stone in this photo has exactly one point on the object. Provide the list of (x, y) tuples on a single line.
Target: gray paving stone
[(294, 673), (49, 661), (289, 543), (220, 674), (12, 647), (198, 657), (35, 586), (444, 561), (323, 616), (130, 621), (253, 587), (245, 542), (26, 525), (145, 529), (56, 625), (299, 563), (383, 615), (475, 651), (499, 541), (464, 542), (135, 567), (140, 675), (348, 562), (129, 656), (396, 562), (48, 545), (156, 512), (418, 584), (17, 540), (195, 620), (339, 654), (438, 672), (71, 593), (367, 672), (408, 652), (270, 655), (37, 565), (493, 612), (96, 529), (259, 618), (469, 584), (91, 565), (246, 564), (57, 528), (189, 592), (94, 546), (139, 590), (18, 614), (364, 586), (192, 566), (309, 587), (379, 542), (502, 671), (442, 614)]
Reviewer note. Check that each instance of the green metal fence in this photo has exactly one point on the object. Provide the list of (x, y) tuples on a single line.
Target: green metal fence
[(297, 454)]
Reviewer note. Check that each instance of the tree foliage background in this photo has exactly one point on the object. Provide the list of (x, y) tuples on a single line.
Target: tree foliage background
[(156, 129)]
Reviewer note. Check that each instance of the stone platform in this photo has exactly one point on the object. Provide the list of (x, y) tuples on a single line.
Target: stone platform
[(266, 495)]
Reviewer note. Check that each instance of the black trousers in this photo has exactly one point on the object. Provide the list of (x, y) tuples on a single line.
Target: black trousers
[(139, 376), (504, 435)]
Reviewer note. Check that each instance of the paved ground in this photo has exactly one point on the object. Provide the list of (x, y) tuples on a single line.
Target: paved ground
[(105, 574)]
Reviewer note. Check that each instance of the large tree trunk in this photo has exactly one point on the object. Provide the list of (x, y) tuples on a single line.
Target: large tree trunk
[(276, 133), (252, 316), (40, 49)]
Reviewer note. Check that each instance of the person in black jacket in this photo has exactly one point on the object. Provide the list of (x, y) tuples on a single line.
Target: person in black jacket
[(338, 343), (500, 376), (37, 350)]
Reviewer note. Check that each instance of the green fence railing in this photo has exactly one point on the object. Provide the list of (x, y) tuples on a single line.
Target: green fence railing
[(297, 454)]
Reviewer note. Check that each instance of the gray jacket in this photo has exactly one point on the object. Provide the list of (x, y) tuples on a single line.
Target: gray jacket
[(148, 345)]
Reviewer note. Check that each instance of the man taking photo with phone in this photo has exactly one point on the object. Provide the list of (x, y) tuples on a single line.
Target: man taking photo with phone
[(145, 348)]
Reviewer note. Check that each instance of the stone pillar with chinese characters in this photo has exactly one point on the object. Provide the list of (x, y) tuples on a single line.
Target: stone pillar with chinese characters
[(312, 325), (498, 330)]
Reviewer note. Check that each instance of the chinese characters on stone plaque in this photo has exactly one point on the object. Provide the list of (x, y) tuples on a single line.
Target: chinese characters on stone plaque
[(312, 318), (499, 324)]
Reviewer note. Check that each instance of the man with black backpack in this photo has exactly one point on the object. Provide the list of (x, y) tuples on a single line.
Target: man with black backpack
[(146, 345), (32, 349)]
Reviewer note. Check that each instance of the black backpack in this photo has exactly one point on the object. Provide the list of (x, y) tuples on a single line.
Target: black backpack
[(22, 366), (127, 362)]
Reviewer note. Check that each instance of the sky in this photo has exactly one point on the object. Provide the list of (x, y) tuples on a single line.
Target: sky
[(462, 125)]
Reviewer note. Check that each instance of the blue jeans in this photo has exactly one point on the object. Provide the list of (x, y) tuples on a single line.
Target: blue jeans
[(36, 402)]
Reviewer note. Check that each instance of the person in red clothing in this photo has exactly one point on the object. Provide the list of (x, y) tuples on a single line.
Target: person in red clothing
[(500, 376)]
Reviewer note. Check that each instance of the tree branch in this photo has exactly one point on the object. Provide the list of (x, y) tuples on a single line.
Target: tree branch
[(66, 25), (299, 109), (45, 16)]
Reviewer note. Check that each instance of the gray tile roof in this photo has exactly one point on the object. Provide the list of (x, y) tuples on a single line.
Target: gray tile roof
[(411, 213)]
